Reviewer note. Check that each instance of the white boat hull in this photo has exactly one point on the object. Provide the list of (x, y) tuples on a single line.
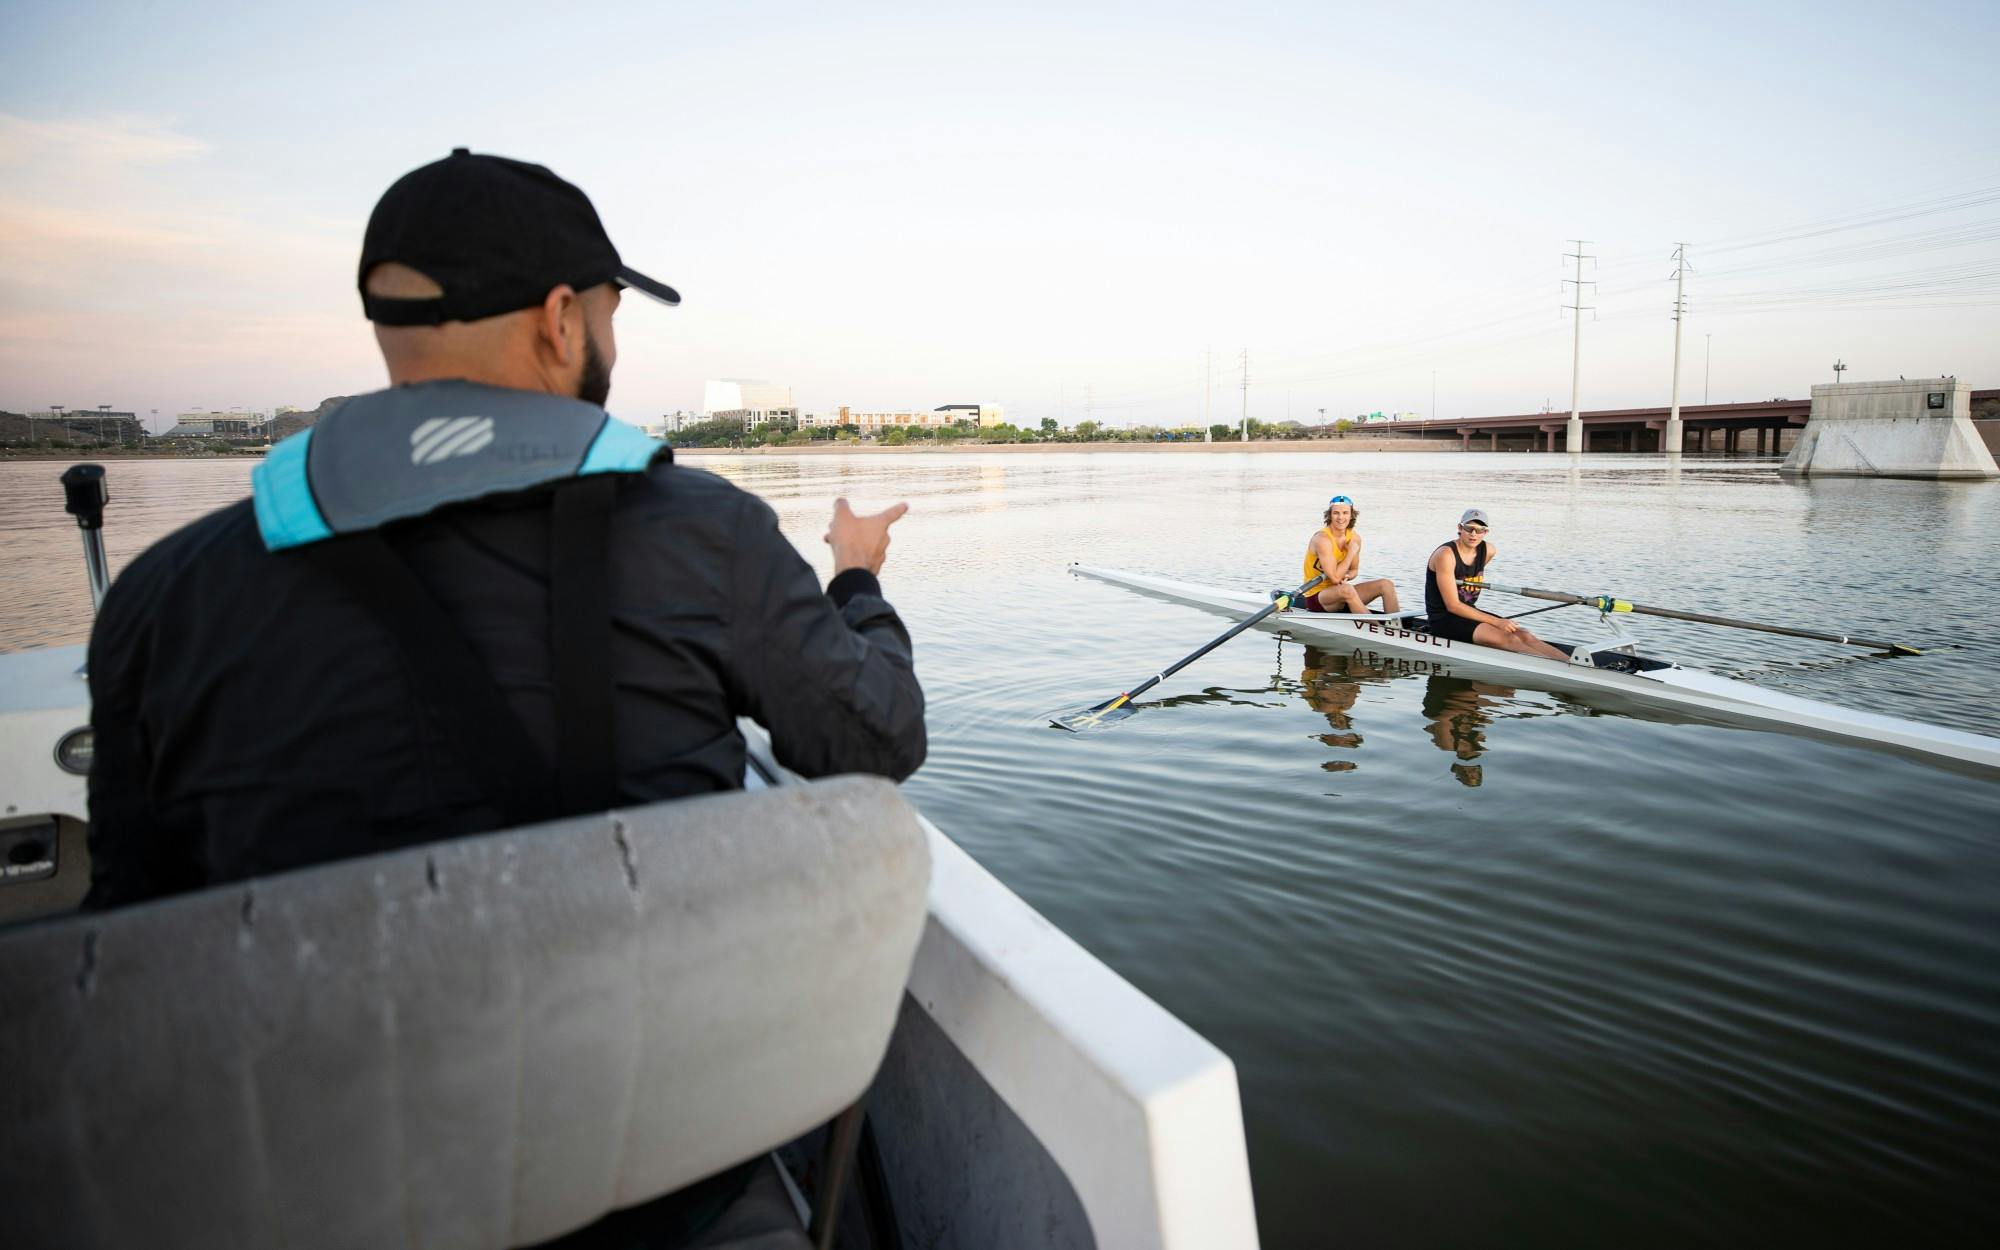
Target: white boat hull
[(1689, 692)]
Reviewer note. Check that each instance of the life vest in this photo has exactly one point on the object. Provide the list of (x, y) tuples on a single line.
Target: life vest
[(324, 494), (1311, 568), (410, 450)]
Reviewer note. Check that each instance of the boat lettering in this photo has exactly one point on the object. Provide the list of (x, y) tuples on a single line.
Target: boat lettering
[(1425, 640), (1400, 663)]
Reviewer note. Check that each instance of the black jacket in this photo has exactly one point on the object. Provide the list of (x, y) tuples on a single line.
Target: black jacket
[(250, 717)]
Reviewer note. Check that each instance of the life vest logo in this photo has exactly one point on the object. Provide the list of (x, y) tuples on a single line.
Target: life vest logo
[(442, 438)]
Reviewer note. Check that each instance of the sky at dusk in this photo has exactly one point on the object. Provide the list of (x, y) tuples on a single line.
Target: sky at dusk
[(1064, 209)]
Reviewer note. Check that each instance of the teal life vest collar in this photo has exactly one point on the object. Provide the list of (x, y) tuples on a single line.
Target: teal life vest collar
[(408, 451)]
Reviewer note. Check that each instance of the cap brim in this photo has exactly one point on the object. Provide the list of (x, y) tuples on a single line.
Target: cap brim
[(639, 282)]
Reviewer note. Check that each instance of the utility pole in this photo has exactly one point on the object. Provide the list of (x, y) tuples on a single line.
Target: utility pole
[(1839, 367), (1207, 396), (1707, 359), (1246, 395), (1434, 394), (1671, 443), (1573, 435)]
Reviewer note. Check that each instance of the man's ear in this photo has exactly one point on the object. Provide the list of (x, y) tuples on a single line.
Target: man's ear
[(559, 325)]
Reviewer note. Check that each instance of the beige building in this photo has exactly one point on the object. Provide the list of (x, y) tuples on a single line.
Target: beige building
[(985, 416)]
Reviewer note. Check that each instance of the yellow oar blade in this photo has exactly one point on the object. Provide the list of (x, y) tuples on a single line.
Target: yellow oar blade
[(1086, 719)]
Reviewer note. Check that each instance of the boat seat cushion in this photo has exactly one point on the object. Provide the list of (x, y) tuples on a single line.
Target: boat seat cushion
[(476, 1044)]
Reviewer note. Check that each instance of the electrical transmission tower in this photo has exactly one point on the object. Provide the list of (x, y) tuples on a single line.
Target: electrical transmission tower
[(1671, 440), (1246, 395), (1573, 436)]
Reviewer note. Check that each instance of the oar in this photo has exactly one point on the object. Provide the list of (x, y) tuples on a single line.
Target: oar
[(1091, 717), (1605, 603)]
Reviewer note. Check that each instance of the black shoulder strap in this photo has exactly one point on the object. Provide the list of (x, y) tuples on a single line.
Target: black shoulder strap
[(452, 684), (580, 641), (460, 695)]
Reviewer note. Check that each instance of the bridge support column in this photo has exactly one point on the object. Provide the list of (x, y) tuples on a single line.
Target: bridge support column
[(1493, 441), (1760, 440), (1465, 440)]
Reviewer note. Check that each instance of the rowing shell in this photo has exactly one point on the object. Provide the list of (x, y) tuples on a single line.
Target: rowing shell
[(1621, 674)]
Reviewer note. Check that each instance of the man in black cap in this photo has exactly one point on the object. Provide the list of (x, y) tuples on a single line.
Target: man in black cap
[(473, 600)]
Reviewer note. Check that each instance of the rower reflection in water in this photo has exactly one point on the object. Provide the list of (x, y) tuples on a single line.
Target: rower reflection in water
[(1326, 682), (1457, 712)]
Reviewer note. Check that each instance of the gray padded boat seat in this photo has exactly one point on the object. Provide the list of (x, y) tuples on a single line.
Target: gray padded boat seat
[(476, 1044)]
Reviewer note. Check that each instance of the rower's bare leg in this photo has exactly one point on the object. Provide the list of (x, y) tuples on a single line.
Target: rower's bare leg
[(1517, 640), (1342, 598), (1379, 588)]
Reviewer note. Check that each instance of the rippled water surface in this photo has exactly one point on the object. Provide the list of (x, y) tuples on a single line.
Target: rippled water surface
[(1495, 966)]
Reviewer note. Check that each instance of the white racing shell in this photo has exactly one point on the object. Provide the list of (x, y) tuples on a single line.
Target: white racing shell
[(1656, 685)]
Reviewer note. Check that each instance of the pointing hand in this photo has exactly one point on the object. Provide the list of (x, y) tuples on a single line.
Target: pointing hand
[(860, 542)]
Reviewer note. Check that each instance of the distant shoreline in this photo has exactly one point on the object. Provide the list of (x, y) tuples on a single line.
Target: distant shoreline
[(120, 453), (1259, 446)]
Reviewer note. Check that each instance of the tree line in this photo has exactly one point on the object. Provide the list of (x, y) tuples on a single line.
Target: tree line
[(724, 432)]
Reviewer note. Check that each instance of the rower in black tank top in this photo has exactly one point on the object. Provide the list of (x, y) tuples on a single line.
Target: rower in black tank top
[(1441, 622)]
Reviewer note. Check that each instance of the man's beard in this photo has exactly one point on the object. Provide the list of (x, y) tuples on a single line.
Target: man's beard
[(594, 387)]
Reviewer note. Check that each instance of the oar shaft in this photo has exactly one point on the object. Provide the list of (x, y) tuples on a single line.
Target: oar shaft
[(1190, 658), (1699, 618), (1234, 630)]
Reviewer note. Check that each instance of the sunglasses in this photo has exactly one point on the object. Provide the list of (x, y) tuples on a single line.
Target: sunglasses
[(1340, 499), (1474, 528)]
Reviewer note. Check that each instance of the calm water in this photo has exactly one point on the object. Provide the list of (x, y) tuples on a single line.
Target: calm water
[(1493, 966)]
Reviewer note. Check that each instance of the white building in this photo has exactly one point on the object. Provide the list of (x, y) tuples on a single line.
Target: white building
[(753, 402), (985, 416), (668, 422), (218, 425)]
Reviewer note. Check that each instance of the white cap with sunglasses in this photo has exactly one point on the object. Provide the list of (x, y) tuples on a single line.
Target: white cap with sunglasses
[(1474, 514)]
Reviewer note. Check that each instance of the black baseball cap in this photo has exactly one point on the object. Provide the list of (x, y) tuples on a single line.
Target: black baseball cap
[(496, 234)]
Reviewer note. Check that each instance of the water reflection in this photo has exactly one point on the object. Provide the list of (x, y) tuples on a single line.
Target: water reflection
[(1457, 713), (1330, 683)]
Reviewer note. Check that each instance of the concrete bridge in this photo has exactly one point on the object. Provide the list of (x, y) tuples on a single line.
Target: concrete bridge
[(1768, 428)]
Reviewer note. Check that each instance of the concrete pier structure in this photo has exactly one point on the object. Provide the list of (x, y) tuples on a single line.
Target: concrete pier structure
[(1918, 427)]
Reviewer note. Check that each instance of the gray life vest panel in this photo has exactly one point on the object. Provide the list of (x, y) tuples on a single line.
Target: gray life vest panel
[(408, 451)]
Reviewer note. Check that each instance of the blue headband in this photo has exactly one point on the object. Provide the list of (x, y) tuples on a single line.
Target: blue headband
[(1340, 499)]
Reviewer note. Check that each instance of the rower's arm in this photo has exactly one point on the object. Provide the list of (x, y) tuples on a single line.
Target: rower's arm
[(1335, 570), (1351, 566)]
